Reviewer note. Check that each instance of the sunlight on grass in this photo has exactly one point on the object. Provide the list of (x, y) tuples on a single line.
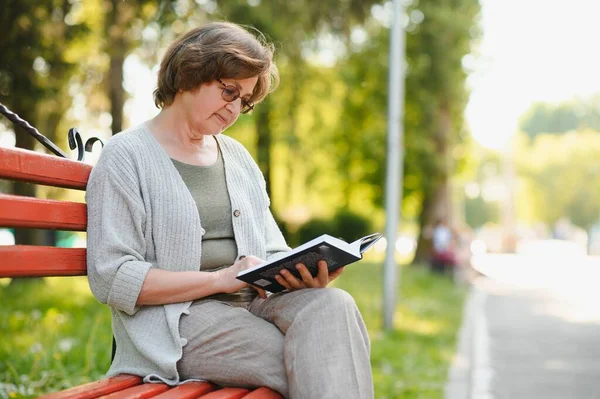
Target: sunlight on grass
[(412, 323), (413, 360), (77, 285), (57, 335)]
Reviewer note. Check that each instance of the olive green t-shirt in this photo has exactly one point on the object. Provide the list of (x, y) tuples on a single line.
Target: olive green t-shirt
[(209, 189)]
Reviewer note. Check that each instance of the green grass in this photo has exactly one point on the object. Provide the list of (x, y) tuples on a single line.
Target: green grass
[(411, 361), (55, 335)]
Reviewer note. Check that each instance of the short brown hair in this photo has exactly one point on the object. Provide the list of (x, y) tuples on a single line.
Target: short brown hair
[(219, 50)]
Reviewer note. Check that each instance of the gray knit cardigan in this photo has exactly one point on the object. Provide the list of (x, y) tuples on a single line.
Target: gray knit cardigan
[(142, 215)]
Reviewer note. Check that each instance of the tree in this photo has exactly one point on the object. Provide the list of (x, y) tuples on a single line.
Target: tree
[(439, 35), (34, 73), (124, 24), (436, 80), (294, 25), (546, 118), (560, 177), (561, 118)]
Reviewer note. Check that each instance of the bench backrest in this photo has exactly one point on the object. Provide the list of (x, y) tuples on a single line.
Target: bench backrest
[(17, 211)]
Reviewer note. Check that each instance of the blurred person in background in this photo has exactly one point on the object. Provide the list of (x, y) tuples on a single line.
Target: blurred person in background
[(443, 258)]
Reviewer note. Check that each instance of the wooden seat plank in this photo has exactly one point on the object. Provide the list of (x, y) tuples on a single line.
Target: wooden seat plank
[(263, 393), (25, 165), (227, 393), (97, 388), (138, 392), (40, 261), (18, 211), (190, 390)]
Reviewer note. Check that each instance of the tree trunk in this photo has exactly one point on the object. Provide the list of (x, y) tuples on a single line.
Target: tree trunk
[(116, 92), (263, 140), (117, 49), (292, 137), (424, 244), (436, 203)]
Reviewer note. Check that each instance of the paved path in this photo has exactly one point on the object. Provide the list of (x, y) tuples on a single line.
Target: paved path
[(530, 337)]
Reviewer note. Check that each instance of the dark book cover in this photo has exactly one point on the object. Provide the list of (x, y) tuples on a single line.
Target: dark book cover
[(335, 252)]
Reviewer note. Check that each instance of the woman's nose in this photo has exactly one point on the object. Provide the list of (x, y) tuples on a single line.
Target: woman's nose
[(235, 106)]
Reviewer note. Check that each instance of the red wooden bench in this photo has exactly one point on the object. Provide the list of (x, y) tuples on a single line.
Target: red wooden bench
[(43, 261)]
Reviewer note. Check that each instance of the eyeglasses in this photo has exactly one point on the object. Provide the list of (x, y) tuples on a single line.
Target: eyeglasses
[(231, 93)]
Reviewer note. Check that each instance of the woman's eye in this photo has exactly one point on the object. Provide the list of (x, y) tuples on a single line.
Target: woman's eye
[(231, 91)]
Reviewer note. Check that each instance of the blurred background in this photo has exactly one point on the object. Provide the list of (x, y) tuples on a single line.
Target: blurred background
[(501, 115), (501, 127)]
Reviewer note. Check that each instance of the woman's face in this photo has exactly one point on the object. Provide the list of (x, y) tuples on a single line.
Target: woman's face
[(206, 110)]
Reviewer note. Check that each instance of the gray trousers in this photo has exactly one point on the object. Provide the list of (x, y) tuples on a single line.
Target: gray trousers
[(310, 343)]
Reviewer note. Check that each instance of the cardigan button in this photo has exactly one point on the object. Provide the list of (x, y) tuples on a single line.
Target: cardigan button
[(202, 231), (237, 213), (183, 342)]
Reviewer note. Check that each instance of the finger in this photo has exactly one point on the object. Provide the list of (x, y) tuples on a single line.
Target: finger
[(307, 278), (283, 282), (261, 292), (323, 276), (291, 280), (335, 274)]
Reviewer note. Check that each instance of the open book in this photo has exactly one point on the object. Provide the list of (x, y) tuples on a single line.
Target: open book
[(335, 252)]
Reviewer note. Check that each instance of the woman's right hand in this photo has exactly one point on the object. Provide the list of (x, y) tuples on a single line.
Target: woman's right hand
[(226, 278)]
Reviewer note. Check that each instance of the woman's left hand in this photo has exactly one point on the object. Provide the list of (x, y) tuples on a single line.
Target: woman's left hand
[(291, 283)]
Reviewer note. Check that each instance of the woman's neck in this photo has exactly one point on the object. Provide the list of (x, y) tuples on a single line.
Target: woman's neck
[(180, 141), (170, 127)]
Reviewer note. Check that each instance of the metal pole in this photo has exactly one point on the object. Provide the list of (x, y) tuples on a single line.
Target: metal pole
[(395, 156)]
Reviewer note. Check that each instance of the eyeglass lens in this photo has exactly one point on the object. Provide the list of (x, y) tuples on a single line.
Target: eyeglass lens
[(231, 93)]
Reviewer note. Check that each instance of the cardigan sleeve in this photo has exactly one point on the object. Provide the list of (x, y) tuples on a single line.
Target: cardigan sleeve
[(115, 233)]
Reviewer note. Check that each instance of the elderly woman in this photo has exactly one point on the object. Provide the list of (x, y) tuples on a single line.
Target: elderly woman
[(176, 209)]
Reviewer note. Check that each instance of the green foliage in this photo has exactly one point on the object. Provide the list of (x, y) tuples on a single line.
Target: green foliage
[(352, 226), (561, 118), (55, 335), (560, 177), (487, 167), (479, 212), (322, 137), (436, 43), (35, 69), (345, 224), (311, 229)]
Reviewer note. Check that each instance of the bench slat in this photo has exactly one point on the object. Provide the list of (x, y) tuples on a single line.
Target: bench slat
[(191, 390), (97, 388), (40, 261), (18, 211), (227, 393), (263, 393), (25, 165), (138, 392)]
